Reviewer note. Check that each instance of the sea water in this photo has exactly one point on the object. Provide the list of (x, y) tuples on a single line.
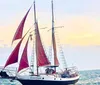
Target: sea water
[(90, 77)]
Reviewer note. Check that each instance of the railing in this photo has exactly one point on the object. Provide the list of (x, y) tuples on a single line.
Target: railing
[(73, 69), (70, 72)]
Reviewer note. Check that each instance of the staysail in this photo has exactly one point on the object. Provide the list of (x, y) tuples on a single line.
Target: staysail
[(19, 30), (53, 40), (13, 58), (24, 59)]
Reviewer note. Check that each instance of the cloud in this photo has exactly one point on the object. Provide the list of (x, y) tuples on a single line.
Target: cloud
[(80, 30), (80, 19)]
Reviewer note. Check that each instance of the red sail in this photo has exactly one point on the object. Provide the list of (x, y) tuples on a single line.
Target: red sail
[(13, 58), (55, 52), (40, 53), (24, 60), (19, 31)]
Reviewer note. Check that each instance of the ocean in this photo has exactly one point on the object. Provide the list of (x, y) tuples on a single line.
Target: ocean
[(88, 77)]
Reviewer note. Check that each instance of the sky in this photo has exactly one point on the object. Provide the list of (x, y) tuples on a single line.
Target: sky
[(80, 35)]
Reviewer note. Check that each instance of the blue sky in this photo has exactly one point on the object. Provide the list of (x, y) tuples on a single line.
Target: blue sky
[(80, 35)]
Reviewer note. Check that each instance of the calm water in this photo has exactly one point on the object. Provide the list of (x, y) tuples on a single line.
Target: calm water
[(91, 77)]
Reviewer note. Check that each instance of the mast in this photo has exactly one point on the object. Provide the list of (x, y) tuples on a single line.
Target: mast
[(53, 39), (34, 12), (41, 58), (35, 23)]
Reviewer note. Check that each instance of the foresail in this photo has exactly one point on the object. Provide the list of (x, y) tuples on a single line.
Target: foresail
[(13, 58), (24, 59), (19, 30), (41, 56)]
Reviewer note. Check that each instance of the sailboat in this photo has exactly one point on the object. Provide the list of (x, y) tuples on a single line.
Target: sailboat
[(51, 75)]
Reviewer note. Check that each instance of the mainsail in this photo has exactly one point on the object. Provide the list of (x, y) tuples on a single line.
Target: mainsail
[(19, 30), (24, 59), (41, 56), (40, 53)]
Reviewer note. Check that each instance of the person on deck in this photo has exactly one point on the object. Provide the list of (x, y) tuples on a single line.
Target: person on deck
[(65, 73), (47, 71)]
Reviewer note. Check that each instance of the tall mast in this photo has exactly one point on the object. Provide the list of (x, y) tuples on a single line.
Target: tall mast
[(35, 22), (52, 26), (34, 12), (53, 38)]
